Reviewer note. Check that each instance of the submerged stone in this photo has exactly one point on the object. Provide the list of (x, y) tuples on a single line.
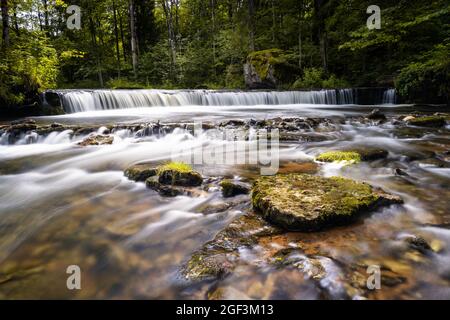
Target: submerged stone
[(418, 243), (140, 172), (232, 188), (299, 167), (301, 202), (219, 257)]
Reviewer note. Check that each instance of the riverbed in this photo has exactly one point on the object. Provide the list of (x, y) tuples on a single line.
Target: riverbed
[(62, 204)]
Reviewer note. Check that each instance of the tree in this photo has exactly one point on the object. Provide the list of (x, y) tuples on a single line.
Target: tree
[(5, 23), (134, 42)]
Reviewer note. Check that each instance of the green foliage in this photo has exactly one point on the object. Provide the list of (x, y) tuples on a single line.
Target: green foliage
[(204, 44), (121, 83), (234, 77), (428, 78), (27, 68), (316, 78)]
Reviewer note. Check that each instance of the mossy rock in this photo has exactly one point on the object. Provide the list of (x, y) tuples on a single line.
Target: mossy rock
[(355, 155), (179, 174), (232, 188), (337, 156), (301, 202), (267, 69), (208, 265), (97, 140), (263, 60), (430, 121), (219, 257), (370, 154), (162, 189), (140, 172)]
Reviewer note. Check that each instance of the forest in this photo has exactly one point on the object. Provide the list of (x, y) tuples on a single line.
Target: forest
[(206, 44)]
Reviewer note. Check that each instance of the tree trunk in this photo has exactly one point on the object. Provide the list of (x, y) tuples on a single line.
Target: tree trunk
[(95, 49), (251, 27), (5, 20), (134, 57), (46, 20), (213, 32), (300, 44), (116, 35), (122, 38), (166, 4), (321, 32)]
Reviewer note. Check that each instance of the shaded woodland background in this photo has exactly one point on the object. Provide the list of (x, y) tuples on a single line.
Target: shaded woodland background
[(206, 43)]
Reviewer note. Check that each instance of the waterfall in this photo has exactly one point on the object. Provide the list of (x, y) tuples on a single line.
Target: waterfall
[(91, 100), (389, 96)]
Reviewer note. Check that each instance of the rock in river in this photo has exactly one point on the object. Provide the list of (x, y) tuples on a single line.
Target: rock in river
[(140, 172), (179, 174), (429, 121), (232, 188), (174, 179), (301, 202), (354, 155), (97, 140)]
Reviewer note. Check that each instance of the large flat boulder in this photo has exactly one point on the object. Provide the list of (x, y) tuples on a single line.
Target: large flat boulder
[(302, 202)]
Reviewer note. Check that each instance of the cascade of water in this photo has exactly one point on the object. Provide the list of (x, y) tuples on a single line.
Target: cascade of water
[(84, 100), (389, 96)]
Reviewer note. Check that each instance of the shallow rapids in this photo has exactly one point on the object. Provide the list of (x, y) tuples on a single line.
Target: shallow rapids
[(62, 204)]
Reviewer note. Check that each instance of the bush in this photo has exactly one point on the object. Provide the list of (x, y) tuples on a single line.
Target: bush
[(27, 68), (122, 83), (427, 80), (235, 77), (314, 78)]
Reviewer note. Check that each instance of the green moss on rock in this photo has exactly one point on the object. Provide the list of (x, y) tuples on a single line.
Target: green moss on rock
[(179, 174), (333, 156), (263, 60), (429, 121), (308, 203), (97, 140), (140, 172)]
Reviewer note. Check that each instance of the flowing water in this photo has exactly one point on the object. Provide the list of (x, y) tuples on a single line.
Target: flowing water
[(62, 204)]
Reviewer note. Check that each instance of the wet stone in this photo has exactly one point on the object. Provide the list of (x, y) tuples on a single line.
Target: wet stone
[(179, 175), (219, 257), (301, 202), (96, 140), (140, 172), (376, 114), (428, 121), (231, 188)]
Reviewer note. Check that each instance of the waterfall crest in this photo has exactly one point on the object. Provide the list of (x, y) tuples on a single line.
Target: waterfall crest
[(92, 100), (389, 96)]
